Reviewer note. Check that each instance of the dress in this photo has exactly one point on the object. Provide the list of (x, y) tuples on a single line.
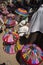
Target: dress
[(36, 23)]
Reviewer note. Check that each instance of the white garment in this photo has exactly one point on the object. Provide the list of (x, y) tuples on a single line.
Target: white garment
[(36, 23), (23, 22), (23, 30)]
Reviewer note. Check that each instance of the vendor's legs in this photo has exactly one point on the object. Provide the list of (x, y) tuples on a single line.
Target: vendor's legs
[(39, 40), (33, 37), (36, 38)]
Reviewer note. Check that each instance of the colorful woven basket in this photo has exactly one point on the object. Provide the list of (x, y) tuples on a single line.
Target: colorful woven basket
[(9, 49), (32, 54), (21, 12), (10, 23), (10, 38)]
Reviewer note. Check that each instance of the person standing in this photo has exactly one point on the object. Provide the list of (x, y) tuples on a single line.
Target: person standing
[(36, 27)]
